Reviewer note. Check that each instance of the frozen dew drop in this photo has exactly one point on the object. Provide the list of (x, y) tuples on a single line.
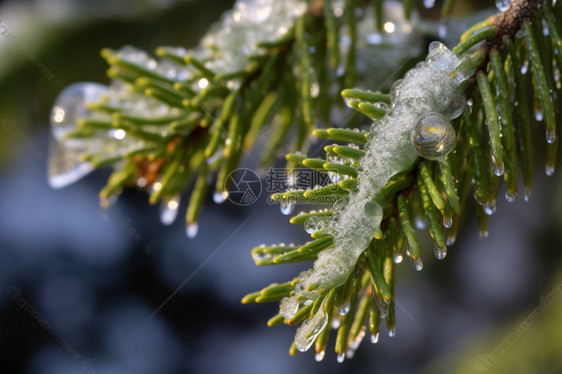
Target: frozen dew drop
[(375, 338), (191, 230), (220, 197), (428, 4), (417, 263), (433, 136), (550, 136), (286, 207), (440, 253), (503, 5), (310, 329), (169, 210), (510, 197), (490, 207), (392, 332), (341, 357), (319, 356)]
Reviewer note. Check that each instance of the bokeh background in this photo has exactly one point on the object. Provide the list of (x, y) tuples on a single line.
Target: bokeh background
[(84, 290)]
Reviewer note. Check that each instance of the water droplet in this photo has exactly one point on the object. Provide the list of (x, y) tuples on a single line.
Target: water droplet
[(392, 332), (417, 263), (433, 136), (527, 195), (442, 30), (447, 221), (510, 197), (336, 322), (545, 30), (319, 356), (398, 257), (503, 5), (169, 210), (341, 357), (550, 136), (525, 67), (539, 115), (498, 169), (490, 207), (344, 306), (428, 4), (191, 230), (549, 170), (483, 234), (310, 329), (420, 221), (313, 224), (220, 197), (440, 253), (451, 238), (286, 207), (375, 338)]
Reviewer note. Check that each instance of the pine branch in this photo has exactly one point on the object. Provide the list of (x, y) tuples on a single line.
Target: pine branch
[(481, 145)]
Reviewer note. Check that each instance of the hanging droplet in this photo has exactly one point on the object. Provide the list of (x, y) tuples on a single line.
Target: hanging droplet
[(550, 136), (433, 136), (65, 166), (447, 221), (344, 306), (398, 257), (490, 207), (286, 207), (525, 67), (382, 305), (220, 197), (545, 30), (341, 357), (420, 221), (310, 329), (169, 210), (191, 230), (313, 224), (319, 355), (510, 197), (440, 253), (451, 238), (375, 338), (442, 30), (539, 115), (503, 5), (392, 332), (498, 169), (417, 263), (483, 234), (428, 4), (549, 170), (527, 194)]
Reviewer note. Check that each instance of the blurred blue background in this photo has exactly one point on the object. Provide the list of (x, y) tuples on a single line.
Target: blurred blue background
[(87, 290)]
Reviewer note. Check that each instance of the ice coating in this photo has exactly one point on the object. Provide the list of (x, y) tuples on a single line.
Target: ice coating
[(250, 22), (432, 86)]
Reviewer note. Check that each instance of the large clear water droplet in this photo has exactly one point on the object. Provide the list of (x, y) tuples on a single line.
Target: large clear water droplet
[(64, 165), (433, 136), (440, 253), (417, 263), (286, 207)]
